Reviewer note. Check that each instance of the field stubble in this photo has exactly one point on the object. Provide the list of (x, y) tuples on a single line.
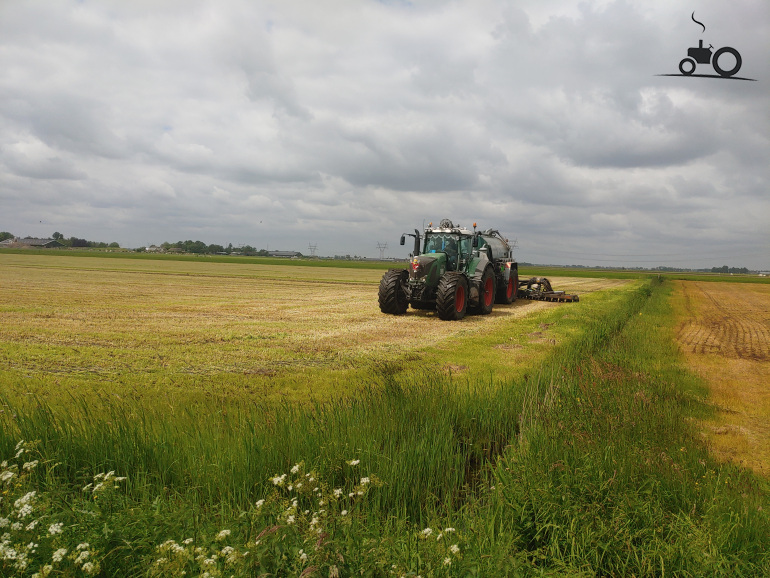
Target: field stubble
[(274, 331), (724, 331)]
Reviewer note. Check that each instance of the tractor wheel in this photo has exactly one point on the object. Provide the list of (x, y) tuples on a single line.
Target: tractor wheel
[(392, 295), (486, 293), (452, 296), (422, 305), (506, 294)]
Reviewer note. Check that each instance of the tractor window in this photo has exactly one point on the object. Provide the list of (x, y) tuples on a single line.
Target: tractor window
[(465, 246), (443, 243)]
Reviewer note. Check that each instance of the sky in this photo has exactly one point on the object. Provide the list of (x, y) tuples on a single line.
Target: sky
[(343, 123)]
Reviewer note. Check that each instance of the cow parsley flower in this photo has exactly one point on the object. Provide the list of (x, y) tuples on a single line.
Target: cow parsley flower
[(56, 528)]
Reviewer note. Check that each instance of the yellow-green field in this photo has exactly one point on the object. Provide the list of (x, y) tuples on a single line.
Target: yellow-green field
[(149, 327)]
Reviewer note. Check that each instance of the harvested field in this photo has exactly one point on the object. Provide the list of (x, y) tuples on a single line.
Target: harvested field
[(268, 329), (724, 330)]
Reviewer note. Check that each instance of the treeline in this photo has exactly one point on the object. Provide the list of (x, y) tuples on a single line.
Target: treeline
[(202, 248), (77, 242), (726, 269)]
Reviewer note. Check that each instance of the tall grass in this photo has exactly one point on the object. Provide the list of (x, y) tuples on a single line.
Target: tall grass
[(588, 464)]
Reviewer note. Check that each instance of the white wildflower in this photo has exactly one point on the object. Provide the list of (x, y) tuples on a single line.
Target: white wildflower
[(296, 468), (56, 528), (16, 526), (188, 541), (289, 519), (31, 525), (90, 568), (25, 499), (29, 466), (4, 522), (6, 475), (354, 462), (83, 546), (278, 480), (447, 561), (260, 503), (337, 492), (82, 557), (344, 513), (25, 511), (364, 481), (427, 532), (222, 535), (455, 549), (448, 530), (59, 555)]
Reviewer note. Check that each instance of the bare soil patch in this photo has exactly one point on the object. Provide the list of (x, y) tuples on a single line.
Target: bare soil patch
[(724, 331)]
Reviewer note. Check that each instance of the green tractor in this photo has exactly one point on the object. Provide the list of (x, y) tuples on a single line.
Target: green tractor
[(456, 271)]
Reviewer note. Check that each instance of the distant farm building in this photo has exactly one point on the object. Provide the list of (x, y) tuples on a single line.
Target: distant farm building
[(31, 242), (284, 254)]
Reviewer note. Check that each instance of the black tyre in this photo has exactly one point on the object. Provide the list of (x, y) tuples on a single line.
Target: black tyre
[(506, 293), (486, 293), (726, 50), (452, 296), (392, 294), (690, 68)]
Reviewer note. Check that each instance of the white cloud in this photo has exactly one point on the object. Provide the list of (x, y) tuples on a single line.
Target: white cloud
[(351, 122)]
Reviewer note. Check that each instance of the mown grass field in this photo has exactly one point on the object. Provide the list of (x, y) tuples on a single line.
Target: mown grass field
[(269, 332), (270, 421)]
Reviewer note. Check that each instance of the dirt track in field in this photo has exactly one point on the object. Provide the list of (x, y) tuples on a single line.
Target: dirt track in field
[(724, 330)]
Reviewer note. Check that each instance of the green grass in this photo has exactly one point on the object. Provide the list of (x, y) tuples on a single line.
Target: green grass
[(585, 462)]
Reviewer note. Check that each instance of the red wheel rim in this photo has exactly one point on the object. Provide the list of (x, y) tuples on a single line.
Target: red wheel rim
[(488, 289), (460, 299), (509, 289)]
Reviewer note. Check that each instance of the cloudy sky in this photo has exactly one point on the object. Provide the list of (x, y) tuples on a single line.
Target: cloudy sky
[(343, 123)]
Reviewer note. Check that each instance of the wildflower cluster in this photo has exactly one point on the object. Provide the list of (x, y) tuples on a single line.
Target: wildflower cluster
[(297, 528), (31, 542)]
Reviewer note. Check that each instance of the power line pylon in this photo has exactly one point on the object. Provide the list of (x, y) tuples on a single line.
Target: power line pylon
[(382, 247)]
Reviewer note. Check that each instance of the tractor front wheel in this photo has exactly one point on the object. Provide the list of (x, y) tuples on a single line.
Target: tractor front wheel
[(392, 295), (452, 296)]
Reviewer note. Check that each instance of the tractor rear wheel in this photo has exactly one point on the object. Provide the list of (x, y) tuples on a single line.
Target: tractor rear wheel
[(452, 296), (392, 295), (506, 293), (486, 292)]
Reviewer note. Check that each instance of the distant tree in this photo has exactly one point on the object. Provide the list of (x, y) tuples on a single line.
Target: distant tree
[(215, 249), (57, 236), (75, 242), (114, 245), (263, 253), (248, 250), (229, 248), (6, 235)]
